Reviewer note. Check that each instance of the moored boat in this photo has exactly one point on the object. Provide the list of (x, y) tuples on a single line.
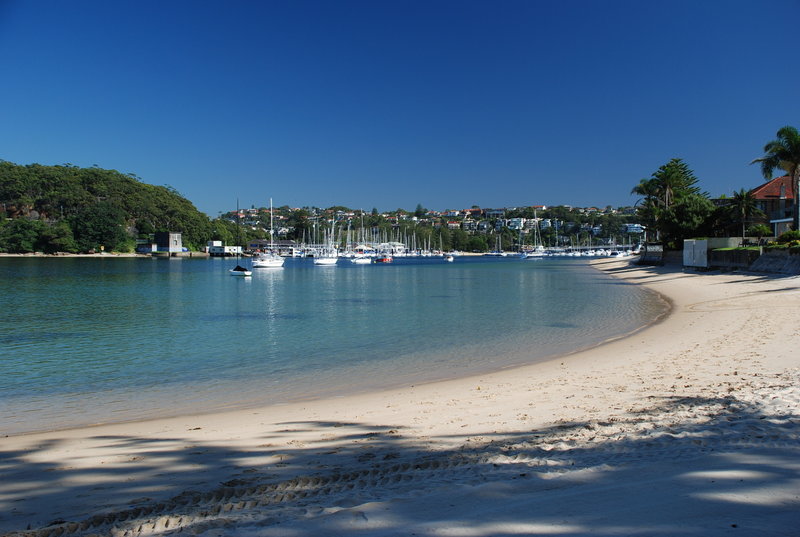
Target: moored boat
[(267, 260), (325, 259), (240, 271)]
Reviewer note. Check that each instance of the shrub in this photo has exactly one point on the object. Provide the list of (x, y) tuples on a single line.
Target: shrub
[(759, 230), (788, 236)]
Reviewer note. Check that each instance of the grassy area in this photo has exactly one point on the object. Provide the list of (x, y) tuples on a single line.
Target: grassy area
[(739, 249)]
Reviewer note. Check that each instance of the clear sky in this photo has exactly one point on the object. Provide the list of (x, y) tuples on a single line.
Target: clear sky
[(388, 103)]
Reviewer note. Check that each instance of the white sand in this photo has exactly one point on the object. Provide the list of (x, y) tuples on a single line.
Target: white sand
[(689, 427)]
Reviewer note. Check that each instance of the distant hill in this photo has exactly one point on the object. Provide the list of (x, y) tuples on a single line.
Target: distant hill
[(99, 207)]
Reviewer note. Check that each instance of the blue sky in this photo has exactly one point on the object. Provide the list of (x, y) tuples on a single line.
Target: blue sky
[(389, 103)]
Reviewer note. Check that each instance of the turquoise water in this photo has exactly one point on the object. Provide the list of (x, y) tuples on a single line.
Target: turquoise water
[(91, 340)]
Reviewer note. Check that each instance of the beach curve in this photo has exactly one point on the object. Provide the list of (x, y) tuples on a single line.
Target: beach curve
[(688, 426)]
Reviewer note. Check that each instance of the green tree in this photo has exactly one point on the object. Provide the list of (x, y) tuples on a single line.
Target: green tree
[(759, 230), (20, 235), (671, 191), (420, 211), (690, 217), (62, 192), (223, 230), (300, 225), (549, 236), (460, 239), (445, 238), (743, 207), (784, 153), (477, 243), (99, 225), (647, 208), (57, 238)]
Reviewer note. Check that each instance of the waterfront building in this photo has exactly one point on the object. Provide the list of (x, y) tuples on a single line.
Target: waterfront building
[(776, 200), (168, 241)]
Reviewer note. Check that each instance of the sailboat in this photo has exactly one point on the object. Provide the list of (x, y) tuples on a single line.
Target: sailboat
[(240, 271), (498, 251), (269, 259), (538, 250), (360, 259), (327, 255)]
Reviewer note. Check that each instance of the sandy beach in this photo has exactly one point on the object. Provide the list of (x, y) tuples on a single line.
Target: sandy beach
[(687, 427)]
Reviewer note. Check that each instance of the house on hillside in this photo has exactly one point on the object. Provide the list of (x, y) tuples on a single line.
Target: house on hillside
[(516, 223), (475, 213), (776, 198), (469, 225)]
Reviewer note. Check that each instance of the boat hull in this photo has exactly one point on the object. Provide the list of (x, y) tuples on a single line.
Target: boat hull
[(325, 261)]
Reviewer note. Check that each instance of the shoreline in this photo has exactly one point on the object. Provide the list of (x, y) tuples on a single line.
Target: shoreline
[(665, 384), (513, 348)]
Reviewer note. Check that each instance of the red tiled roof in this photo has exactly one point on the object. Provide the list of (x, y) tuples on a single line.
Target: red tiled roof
[(772, 189)]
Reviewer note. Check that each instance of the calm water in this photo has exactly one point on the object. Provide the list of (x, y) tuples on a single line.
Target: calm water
[(111, 339)]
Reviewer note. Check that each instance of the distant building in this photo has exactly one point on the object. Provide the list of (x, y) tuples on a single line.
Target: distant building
[(168, 241), (516, 223), (217, 249), (474, 213), (776, 199), (632, 228)]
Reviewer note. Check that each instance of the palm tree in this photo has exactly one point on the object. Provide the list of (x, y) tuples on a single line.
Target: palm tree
[(648, 210), (784, 153), (743, 207), (670, 184)]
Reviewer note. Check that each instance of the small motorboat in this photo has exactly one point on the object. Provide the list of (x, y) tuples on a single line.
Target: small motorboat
[(449, 258), (384, 259), (240, 271)]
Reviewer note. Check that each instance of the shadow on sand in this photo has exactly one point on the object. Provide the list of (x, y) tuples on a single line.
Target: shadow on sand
[(176, 484)]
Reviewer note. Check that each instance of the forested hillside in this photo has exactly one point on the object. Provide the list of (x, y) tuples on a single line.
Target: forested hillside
[(72, 209)]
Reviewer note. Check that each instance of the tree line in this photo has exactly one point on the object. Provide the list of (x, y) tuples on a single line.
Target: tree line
[(673, 206), (65, 208)]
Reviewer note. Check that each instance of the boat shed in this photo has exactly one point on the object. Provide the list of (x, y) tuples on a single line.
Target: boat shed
[(169, 241)]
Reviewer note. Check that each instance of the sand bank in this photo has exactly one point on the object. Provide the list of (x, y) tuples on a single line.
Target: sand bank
[(687, 427)]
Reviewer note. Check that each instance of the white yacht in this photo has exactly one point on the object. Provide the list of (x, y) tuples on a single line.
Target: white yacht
[(267, 260)]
